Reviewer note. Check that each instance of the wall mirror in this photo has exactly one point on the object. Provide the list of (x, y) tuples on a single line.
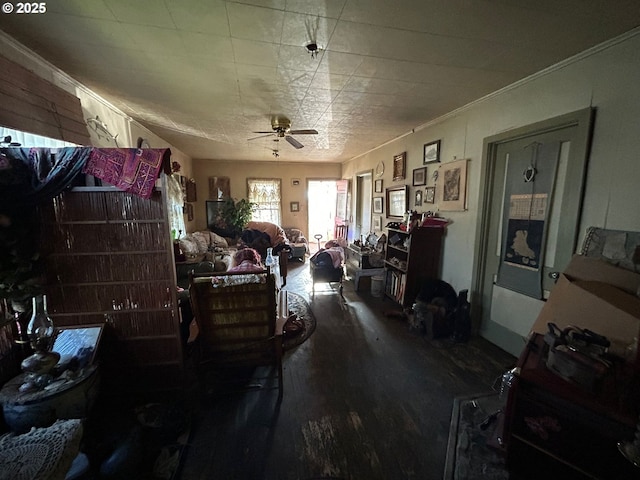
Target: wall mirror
[(397, 201)]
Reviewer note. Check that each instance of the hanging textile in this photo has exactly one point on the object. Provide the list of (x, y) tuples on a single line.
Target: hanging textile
[(129, 169), (29, 176)]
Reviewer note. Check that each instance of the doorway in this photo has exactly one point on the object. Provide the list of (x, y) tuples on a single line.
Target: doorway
[(503, 312), (322, 199), (364, 187)]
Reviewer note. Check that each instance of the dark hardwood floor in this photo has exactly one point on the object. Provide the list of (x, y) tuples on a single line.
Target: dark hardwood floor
[(364, 398)]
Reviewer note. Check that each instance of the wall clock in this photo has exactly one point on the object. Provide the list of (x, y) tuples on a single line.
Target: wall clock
[(380, 169)]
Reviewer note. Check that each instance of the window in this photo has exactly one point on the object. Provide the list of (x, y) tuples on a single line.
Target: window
[(265, 192)]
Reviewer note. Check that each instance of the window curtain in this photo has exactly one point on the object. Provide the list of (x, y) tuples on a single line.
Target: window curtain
[(176, 202), (266, 194)]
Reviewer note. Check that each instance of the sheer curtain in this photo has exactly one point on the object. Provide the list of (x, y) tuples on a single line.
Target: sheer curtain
[(265, 193)]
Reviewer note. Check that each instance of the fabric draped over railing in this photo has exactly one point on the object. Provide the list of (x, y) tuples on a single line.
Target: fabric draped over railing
[(29, 176)]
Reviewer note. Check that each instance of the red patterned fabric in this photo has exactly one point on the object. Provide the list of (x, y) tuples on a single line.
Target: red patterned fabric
[(130, 169)]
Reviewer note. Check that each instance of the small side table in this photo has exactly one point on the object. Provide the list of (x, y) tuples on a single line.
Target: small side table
[(72, 398), (359, 265)]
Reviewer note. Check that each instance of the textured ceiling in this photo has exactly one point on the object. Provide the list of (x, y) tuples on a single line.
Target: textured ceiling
[(206, 74)]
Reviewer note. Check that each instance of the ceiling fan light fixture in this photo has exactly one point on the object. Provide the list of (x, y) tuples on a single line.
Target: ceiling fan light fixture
[(313, 49)]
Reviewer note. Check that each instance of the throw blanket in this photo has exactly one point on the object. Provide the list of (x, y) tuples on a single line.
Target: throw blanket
[(335, 253), (129, 169)]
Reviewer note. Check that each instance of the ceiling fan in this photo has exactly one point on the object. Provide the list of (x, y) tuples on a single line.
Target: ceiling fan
[(281, 128)]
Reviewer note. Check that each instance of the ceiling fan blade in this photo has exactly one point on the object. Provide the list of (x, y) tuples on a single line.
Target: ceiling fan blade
[(270, 131), (261, 136), (293, 142), (308, 131)]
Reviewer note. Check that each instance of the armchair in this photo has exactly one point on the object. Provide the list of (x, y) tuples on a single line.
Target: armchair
[(298, 243)]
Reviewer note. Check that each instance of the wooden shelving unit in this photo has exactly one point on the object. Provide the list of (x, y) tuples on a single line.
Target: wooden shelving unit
[(110, 261), (409, 258)]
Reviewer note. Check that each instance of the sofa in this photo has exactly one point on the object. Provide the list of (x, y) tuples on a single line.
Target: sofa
[(207, 246)]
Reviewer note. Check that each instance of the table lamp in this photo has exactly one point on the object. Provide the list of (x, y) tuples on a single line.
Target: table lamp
[(41, 336)]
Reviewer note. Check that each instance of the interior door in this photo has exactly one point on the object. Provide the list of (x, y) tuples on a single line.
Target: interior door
[(507, 310), (362, 218), (342, 216)]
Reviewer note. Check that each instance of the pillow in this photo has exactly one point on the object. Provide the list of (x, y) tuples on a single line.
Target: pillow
[(42, 453), (202, 241), (188, 246), (217, 240)]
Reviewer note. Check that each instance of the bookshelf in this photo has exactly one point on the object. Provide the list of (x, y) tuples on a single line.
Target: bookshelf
[(410, 257)]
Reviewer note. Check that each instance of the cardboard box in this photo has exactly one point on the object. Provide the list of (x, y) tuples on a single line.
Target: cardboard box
[(605, 307), (588, 268)]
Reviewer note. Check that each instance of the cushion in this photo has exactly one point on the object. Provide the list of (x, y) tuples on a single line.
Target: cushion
[(188, 246), (42, 453), (202, 240)]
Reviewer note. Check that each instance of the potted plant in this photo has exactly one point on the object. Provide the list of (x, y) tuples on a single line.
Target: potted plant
[(233, 216)]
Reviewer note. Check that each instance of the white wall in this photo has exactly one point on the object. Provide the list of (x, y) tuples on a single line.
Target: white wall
[(605, 78)]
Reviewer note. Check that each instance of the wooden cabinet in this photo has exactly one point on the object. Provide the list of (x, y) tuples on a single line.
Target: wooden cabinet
[(555, 425), (409, 258), (110, 261)]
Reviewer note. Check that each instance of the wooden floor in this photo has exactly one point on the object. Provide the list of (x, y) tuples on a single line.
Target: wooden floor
[(364, 398)]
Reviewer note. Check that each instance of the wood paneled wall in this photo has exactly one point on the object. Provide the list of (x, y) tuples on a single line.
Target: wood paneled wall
[(32, 104)]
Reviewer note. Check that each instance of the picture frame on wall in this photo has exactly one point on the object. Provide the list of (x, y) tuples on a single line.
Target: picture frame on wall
[(431, 152), (295, 206), (378, 186), (378, 205), (400, 166), (418, 198), (430, 195), (420, 176), (377, 223), (397, 201), (452, 189)]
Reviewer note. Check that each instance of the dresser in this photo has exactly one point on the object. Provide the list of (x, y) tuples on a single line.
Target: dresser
[(551, 421)]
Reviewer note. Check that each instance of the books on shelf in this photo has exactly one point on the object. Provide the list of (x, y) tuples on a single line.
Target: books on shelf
[(396, 285)]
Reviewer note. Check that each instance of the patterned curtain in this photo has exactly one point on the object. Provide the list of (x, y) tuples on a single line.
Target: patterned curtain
[(176, 201), (266, 194)]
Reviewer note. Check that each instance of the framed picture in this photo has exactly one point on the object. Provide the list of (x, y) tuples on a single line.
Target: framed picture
[(377, 205), (399, 166), (430, 195), (378, 186), (397, 201), (189, 212), (295, 206), (431, 152), (418, 198), (190, 191), (219, 188), (79, 341), (377, 223), (453, 186), (295, 182), (420, 176)]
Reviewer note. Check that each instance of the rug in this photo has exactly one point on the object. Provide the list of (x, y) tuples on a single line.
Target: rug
[(301, 308), (473, 427)]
